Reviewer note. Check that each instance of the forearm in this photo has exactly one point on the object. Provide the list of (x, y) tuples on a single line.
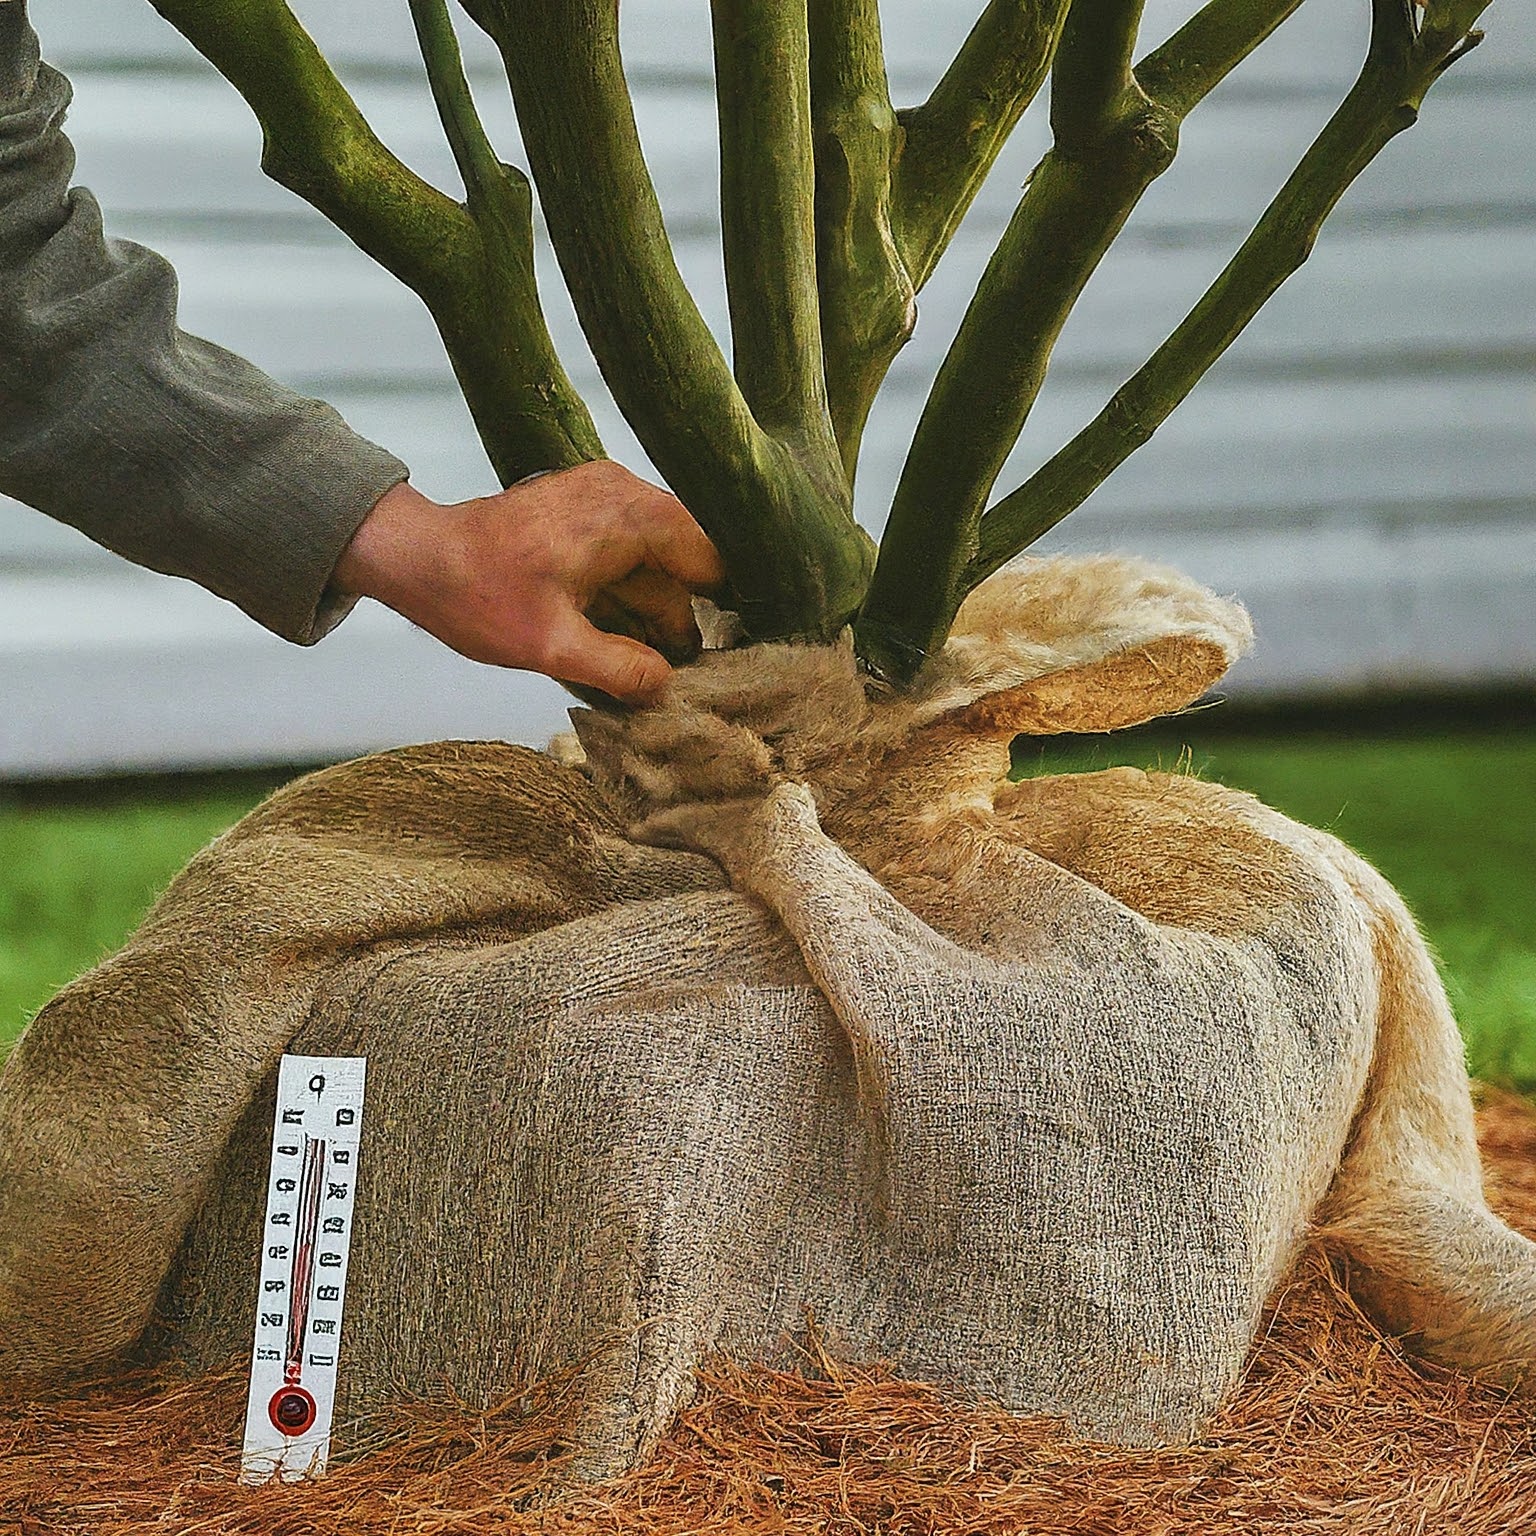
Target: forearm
[(167, 449)]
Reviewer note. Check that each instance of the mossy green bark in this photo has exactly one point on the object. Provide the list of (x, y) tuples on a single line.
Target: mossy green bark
[(835, 209)]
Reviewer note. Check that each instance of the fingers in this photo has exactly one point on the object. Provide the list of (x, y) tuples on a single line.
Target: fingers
[(577, 652), (663, 609), (674, 542), (513, 579), (608, 521)]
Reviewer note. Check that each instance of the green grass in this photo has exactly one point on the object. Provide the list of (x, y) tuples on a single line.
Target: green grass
[(76, 877), (1451, 819)]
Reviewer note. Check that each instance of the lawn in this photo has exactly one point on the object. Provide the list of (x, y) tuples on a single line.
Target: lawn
[(79, 867), (1451, 818)]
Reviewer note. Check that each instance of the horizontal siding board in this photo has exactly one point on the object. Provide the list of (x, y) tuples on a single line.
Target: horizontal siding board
[(1242, 453), (193, 150), (1318, 48), (1451, 295), (1251, 448), (1367, 608), (122, 674)]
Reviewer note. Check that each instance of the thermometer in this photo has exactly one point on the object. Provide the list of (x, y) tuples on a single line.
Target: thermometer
[(305, 1243)]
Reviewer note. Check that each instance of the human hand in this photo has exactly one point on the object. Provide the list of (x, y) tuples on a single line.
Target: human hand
[(516, 579)]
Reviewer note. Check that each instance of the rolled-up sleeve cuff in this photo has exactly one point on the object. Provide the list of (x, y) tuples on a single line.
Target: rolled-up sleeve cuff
[(284, 513)]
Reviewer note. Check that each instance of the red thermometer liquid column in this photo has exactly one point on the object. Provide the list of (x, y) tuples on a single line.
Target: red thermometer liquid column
[(306, 1241)]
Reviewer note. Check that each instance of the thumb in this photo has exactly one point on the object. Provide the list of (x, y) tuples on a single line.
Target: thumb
[(619, 666)]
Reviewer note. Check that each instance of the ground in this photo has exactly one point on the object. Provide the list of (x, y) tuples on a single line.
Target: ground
[(1333, 1432)]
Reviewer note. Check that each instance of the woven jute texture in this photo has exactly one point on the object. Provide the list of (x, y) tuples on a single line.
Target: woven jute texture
[(778, 1000), (1332, 1432)]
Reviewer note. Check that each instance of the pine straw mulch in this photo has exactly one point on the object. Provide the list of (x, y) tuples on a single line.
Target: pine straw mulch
[(1334, 1430)]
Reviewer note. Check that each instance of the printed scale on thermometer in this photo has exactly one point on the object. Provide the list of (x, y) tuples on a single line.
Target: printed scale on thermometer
[(305, 1241)]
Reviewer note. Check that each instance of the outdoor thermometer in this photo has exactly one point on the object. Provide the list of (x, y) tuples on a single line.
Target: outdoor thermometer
[(306, 1237)]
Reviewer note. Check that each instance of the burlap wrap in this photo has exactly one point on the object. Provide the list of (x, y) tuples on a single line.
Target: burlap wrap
[(783, 1000)]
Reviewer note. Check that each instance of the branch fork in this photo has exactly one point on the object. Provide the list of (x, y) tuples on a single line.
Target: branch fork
[(836, 206)]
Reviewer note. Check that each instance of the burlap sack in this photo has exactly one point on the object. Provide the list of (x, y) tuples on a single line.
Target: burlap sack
[(1033, 1088)]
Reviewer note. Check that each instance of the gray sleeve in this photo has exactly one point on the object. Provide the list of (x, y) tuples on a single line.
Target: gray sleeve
[(167, 449)]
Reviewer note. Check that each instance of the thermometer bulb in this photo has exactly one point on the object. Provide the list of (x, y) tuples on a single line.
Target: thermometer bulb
[(292, 1411)]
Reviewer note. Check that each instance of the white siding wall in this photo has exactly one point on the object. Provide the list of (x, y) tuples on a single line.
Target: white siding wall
[(1360, 469)]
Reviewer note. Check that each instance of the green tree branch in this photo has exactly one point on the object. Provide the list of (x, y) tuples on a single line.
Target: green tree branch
[(1403, 62), (1204, 51), (866, 295), (480, 291), (525, 408), (782, 520), (1112, 140), (835, 211), (485, 177), (948, 144), (767, 217), (1093, 90), (317, 143)]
